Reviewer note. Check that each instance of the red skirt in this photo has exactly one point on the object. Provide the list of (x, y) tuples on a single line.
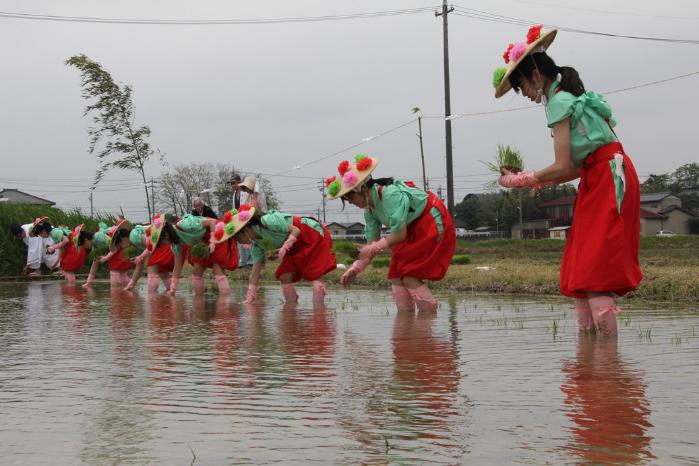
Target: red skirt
[(601, 253), (225, 255), (424, 254), (163, 257), (119, 262), (73, 258), (311, 257)]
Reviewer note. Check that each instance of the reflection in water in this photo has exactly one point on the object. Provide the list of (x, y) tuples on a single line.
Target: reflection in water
[(426, 374), (308, 339), (120, 426), (606, 399)]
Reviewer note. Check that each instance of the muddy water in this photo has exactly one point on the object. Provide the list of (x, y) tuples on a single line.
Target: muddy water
[(113, 377)]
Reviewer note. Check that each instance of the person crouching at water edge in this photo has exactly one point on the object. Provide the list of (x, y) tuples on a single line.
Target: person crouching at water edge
[(422, 238), (163, 253), (304, 250), (74, 249), (201, 233), (600, 259), (117, 242)]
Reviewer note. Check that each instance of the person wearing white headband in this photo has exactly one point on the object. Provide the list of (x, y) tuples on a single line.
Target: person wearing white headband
[(600, 260)]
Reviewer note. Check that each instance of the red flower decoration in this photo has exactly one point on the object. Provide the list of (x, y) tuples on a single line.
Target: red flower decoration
[(506, 55), (227, 217), (150, 247), (148, 231), (330, 180), (344, 167), (218, 234), (243, 207), (364, 164), (534, 33)]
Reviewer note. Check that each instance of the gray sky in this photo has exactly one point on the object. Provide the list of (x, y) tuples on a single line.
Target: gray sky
[(272, 96)]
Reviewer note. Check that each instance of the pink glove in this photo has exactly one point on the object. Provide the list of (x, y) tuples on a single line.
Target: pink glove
[(130, 286), (251, 295), (140, 258), (370, 250), (355, 269), (174, 283), (286, 247), (518, 180), (212, 246)]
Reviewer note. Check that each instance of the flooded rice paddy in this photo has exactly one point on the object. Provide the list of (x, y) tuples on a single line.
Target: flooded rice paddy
[(125, 378)]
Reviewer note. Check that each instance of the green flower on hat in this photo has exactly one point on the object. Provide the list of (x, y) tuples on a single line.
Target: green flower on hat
[(228, 229), (498, 74), (334, 188), (154, 237)]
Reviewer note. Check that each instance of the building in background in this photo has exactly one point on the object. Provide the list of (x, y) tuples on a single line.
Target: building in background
[(15, 196)]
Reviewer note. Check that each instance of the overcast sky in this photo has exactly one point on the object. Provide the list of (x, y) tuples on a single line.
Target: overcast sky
[(269, 97)]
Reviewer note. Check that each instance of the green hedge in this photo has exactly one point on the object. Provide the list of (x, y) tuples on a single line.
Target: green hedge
[(13, 251)]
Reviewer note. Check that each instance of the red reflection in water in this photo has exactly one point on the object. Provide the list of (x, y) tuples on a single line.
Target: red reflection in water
[(606, 399), (75, 300), (163, 314), (426, 367), (310, 338)]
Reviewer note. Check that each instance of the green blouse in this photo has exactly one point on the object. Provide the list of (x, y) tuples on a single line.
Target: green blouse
[(275, 229), (398, 205), (591, 120)]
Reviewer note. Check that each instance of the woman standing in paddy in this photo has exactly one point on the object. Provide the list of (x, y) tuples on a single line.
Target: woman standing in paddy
[(304, 249), (600, 260), (422, 238)]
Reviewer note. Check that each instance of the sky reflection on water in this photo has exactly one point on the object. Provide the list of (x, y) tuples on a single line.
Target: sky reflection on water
[(106, 377)]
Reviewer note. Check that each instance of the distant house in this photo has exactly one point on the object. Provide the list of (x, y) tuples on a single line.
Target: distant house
[(345, 230), (655, 202), (559, 217), (663, 211), (15, 196), (559, 211)]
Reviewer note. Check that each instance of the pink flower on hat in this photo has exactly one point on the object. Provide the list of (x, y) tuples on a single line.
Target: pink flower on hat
[(244, 216), (349, 179), (157, 222), (219, 226), (519, 49)]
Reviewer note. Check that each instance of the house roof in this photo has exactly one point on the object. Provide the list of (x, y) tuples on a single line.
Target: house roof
[(675, 207), (15, 195), (561, 201), (346, 226), (648, 214), (654, 197)]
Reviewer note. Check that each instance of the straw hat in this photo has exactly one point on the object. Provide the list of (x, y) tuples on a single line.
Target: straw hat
[(38, 221), (351, 175), (153, 232), (537, 41), (233, 221), (248, 182), (121, 224)]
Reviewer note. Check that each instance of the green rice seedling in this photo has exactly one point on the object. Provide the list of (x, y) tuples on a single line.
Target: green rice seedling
[(506, 157), (460, 260), (200, 251), (626, 319), (644, 333), (554, 328), (519, 324)]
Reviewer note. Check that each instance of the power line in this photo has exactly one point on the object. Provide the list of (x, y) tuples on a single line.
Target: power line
[(608, 12), (212, 22), (494, 17)]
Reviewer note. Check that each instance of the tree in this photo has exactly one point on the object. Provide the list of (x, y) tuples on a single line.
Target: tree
[(656, 184), (178, 188), (686, 177), (121, 144)]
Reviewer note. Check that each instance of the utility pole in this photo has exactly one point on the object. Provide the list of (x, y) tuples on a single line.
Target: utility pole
[(447, 106), (152, 193), (322, 191), (422, 152), (92, 211)]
